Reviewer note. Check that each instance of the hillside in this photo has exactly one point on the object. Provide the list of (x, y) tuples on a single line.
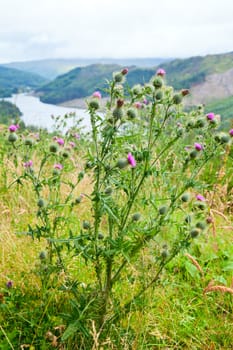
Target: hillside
[(209, 78), (51, 68), (8, 111), (11, 80), (224, 107), (82, 81)]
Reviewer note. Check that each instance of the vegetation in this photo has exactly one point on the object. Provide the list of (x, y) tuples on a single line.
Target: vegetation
[(98, 260), (8, 112), (224, 108), (51, 68), (13, 80)]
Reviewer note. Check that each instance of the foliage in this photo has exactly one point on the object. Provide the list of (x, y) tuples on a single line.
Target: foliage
[(8, 112), (108, 248), (12, 80)]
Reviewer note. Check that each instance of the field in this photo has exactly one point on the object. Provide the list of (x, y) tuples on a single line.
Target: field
[(120, 239)]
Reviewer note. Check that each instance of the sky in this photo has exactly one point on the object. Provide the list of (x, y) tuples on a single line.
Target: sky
[(38, 29)]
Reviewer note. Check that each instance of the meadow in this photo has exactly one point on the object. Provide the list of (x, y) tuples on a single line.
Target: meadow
[(120, 238)]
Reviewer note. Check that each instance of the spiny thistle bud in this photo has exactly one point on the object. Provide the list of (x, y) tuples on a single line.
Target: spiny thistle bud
[(65, 154), (224, 138), (124, 71), (12, 137), (53, 148), (131, 113), (100, 235), (190, 124), (177, 99), (137, 89), (149, 89), (41, 203), (56, 172), (86, 225), (136, 217), (164, 253), (118, 113), (201, 225), (42, 255), (194, 232), (122, 163), (159, 95), (200, 123), (94, 103), (200, 205), (157, 82), (28, 142), (118, 77), (185, 197), (193, 154), (89, 165), (163, 210)]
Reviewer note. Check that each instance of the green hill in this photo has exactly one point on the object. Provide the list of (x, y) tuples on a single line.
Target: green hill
[(181, 73), (8, 112), (12, 80), (51, 68), (83, 81)]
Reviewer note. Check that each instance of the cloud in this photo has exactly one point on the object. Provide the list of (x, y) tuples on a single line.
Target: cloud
[(52, 28)]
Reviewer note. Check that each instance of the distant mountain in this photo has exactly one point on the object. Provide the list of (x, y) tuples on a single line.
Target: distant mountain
[(83, 81), (12, 80), (51, 68)]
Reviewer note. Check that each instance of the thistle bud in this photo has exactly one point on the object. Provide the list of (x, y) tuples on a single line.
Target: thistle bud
[(28, 142), (131, 113), (12, 137), (136, 217), (124, 71), (185, 197), (122, 163), (53, 148), (157, 82), (194, 232), (94, 104), (86, 225), (177, 99), (163, 210)]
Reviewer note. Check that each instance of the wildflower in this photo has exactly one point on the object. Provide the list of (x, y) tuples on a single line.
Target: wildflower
[(97, 94), (200, 198), (77, 136), (9, 284), (72, 144), (28, 164), (198, 146), (138, 105), (161, 72), (210, 116), (145, 101), (13, 128), (231, 132), (131, 160), (58, 166), (124, 71), (60, 141), (185, 92)]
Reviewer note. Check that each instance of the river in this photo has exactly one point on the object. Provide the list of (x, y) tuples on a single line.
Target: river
[(40, 114)]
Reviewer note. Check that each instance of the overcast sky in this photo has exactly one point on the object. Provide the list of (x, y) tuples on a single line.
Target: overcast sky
[(36, 29)]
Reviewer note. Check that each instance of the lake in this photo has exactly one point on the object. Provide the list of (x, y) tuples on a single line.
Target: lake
[(40, 114)]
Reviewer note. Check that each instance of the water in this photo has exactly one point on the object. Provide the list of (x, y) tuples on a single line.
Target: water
[(40, 114)]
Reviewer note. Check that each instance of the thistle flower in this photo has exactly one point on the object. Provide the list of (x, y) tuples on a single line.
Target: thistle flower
[(60, 141), (198, 146), (28, 164), (58, 166), (13, 128), (131, 160), (72, 144), (138, 105), (210, 116), (161, 72), (124, 71), (199, 197), (97, 94), (231, 132), (9, 284)]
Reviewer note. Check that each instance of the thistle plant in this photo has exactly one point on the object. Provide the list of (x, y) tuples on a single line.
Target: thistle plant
[(145, 157)]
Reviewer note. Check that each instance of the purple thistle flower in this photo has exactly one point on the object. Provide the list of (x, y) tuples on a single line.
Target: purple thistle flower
[(231, 132), (97, 94), (199, 197), (145, 101), (60, 141), (210, 116), (161, 72), (138, 105), (72, 144), (28, 164), (131, 160), (9, 284), (124, 71), (13, 128), (198, 146), (58, 166)]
